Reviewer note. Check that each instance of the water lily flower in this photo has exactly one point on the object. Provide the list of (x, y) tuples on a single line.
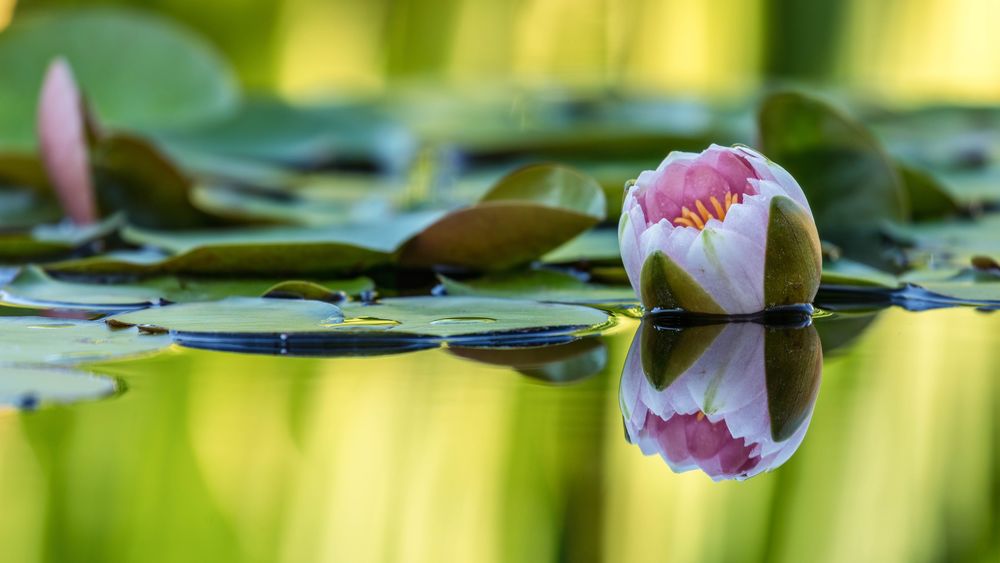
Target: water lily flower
[(731, 400), (723, 232)]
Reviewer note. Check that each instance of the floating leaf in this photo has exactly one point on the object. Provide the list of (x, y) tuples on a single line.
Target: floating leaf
[(528, 213), (138, 70), (845, 272), (955, 240), (52, 241), (851, 183), (235, 315), (30, 388), (596, 246), (33, 287), (257, 252), (299, 323), (303, 136), (38, 340), (541, 285)]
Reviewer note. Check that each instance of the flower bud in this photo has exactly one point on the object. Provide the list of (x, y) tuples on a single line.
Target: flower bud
[(723, 232)]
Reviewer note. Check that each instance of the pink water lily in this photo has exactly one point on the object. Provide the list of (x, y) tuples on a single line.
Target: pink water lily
[(723, 232), (732, 401)]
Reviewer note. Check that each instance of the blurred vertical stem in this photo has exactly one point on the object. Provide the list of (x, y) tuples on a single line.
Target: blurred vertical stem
[(418, 36), (801, 37)]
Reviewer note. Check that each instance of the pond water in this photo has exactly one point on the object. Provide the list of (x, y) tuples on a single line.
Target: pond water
[(449, 455)]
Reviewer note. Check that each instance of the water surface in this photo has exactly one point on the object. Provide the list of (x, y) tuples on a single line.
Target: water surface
[(442, 455)]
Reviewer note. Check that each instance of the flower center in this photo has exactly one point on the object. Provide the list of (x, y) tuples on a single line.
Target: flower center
[(697, 220)]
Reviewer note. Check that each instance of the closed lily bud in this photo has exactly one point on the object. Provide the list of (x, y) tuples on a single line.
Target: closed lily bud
[(723, 232), (731, 400)]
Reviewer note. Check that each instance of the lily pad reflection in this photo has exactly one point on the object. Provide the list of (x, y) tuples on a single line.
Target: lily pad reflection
[(731, 400)]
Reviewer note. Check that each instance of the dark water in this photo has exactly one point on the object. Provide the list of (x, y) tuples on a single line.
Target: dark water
[(442, 455)]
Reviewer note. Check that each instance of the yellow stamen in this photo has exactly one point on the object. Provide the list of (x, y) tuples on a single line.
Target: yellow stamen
[(698, 220), (719, 211), (700, 415), (702, 210)]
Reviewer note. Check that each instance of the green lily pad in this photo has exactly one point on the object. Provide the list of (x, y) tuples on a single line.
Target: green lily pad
[(33, 287), (956, 240), (272, 130), (52, 241), (541, 285), (261, 251), (408, 317), (596, 246), (44, 340), (845, 272), (964, 286), (30, 388), (137, 70), (527, 213), (929, 197), (852, 184), (234, 315)]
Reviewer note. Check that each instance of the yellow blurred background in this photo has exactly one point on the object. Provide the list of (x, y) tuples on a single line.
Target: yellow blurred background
[(907, 50)]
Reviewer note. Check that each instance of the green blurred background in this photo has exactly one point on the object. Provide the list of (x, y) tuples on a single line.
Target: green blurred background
[(908, 50)]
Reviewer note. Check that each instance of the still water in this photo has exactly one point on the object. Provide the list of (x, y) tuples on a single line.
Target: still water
[(886, 449)]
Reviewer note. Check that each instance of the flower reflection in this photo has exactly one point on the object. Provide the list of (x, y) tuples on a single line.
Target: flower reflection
[(733, 400)]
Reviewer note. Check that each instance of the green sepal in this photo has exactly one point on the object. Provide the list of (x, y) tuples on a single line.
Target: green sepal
[(668, 352), (793, 362), (665, 285), (793, 260)]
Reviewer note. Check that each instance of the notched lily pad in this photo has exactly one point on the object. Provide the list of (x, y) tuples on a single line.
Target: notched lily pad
[(27, 388)]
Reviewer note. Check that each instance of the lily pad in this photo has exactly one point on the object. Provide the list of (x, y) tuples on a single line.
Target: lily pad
[(596, 246), (929, 197), (272, 130), (44, 340), (33, 287), (52, 241), (845, 272), (27, 388), (852, 184), (528, 213), (541, 285), (261, 251), (234, 315), (955, 241), (297, 323), (138, 70)]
